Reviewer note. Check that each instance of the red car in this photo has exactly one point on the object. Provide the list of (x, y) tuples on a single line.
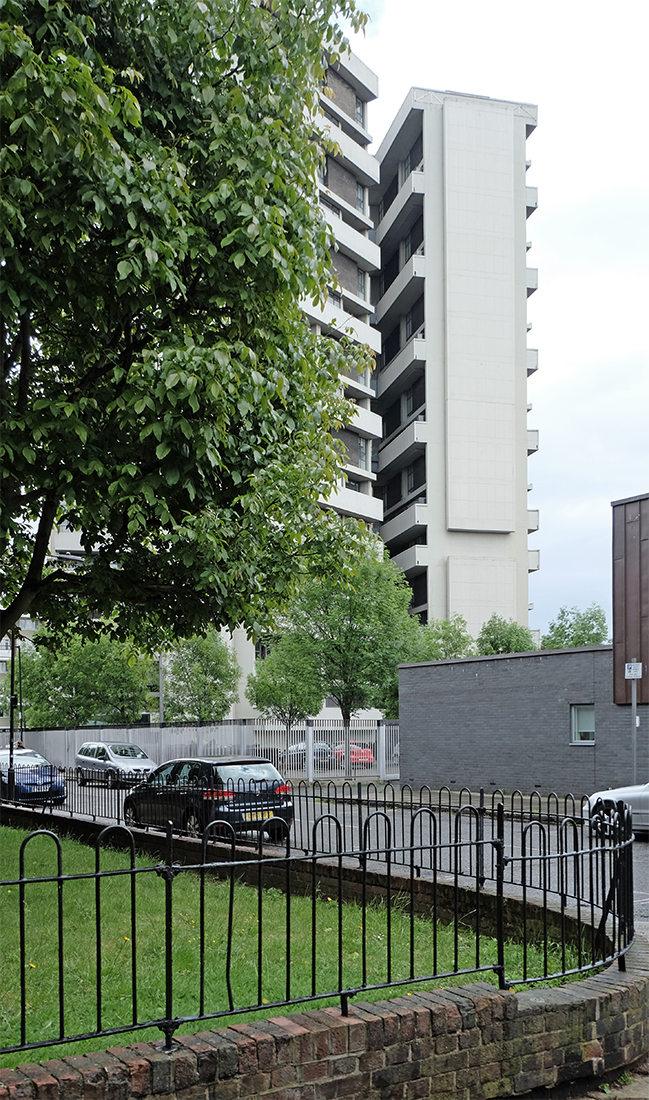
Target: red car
[(359, 754)]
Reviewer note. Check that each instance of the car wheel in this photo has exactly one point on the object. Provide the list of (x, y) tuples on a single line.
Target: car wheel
[(193, 824), (130, 816), (81, 779)]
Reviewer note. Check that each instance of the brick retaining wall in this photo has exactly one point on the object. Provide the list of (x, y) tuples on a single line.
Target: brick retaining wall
[(467, 1043)]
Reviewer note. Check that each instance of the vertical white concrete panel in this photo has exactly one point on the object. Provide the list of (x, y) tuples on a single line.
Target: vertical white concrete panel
[(480, 289), (435, 317), (479, 586), (244, 651)]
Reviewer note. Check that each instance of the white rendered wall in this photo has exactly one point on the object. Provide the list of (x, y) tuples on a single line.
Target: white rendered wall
[(480, 319), (476, 361)]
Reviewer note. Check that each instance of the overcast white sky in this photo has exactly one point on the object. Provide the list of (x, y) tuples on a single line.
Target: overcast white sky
[(585, 65)]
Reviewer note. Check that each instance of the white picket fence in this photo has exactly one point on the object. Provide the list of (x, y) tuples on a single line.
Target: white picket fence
[(312, 750)]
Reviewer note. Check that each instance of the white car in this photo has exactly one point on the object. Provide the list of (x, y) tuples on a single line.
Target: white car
[(636, 796), (117, 763)]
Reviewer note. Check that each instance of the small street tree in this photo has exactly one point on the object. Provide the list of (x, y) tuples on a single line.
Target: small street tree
[(573, 627), (438, 640), (354, 635), (103, 681), (499, 635), (444, 639), (160, 391), (201, 677), (286, 685)]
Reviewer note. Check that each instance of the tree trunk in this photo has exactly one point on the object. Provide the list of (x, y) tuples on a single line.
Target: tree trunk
[(348, 762)]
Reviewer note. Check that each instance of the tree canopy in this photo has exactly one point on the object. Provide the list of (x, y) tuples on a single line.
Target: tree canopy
[(160, 392), (500, 635), (102, 681), (354, 636), (445, 639), (286, 685), (573, 627), (437, 640), (201, 677)]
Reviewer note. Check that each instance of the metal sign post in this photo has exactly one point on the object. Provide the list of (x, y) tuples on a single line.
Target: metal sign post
[(633, 672)]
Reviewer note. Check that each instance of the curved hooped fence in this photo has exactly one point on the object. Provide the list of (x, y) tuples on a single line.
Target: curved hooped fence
[(368, 891)]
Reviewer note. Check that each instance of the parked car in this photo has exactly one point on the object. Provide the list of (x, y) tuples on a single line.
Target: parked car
[(115, 762), (246, 792), (322, 755), (602, 805), (360, 755), (35, 779)]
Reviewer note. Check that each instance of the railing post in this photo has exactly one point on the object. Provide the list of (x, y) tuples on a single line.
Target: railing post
[(499, 845), (308, 750), (380, 748), (167, 871), (481, 817), (362, 859)]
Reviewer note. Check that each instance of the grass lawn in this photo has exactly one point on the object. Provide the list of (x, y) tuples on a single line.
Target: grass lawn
[(322, 922)]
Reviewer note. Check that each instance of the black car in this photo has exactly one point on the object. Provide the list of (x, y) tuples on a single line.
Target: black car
[(322, 755), (245, 792)]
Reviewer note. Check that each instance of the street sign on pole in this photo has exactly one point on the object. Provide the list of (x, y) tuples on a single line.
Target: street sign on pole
[(633, 672)]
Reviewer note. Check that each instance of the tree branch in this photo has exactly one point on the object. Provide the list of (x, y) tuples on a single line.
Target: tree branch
[(33, 581)]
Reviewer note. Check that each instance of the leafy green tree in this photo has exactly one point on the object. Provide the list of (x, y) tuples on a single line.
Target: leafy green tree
[(102, 681), (444, 639), (354, 635), (573, 627), (160, 391), (201, 678), (438, 640), (499, 635), (286, 685)]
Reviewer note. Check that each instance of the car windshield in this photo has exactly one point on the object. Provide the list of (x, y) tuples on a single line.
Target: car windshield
[(132, 751), (24, 759), (235, 775)]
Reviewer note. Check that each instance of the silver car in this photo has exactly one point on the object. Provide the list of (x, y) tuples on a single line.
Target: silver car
[(602, 804), (117, 763)]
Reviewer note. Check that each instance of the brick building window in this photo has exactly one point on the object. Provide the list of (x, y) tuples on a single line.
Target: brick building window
[(582, 722)]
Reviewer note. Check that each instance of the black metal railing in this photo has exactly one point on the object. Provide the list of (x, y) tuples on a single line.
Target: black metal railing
[(453, 866)]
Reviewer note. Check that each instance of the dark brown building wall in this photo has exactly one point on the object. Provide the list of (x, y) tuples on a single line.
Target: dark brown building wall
[(346, 271), (341, 182), (630, 594), (344, 96)]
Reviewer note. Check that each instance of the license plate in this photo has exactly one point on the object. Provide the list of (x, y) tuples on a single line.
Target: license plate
[(259, 815)]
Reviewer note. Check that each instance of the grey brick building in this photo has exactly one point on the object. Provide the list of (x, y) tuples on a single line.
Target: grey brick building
[(534, 721)]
